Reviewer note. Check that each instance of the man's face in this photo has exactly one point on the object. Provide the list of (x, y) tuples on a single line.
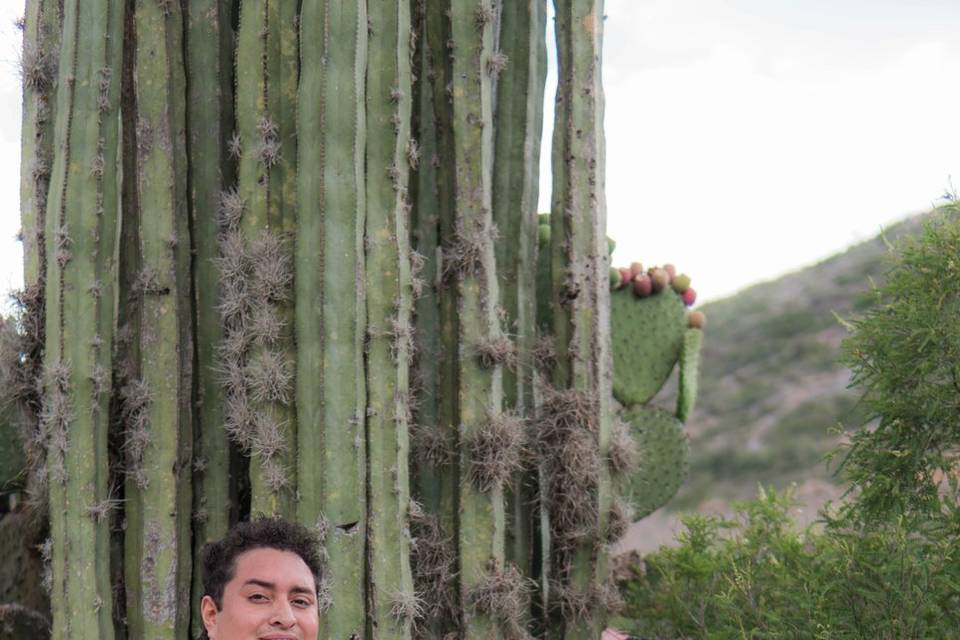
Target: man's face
[(272, 596)]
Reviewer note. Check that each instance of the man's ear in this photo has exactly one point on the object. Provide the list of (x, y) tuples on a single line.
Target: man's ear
[(208, 613)]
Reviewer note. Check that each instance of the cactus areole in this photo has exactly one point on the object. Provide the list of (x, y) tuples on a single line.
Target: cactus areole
[(283, 258)]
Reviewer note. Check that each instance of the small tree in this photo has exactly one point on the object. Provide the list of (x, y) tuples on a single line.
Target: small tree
[(905, 354)]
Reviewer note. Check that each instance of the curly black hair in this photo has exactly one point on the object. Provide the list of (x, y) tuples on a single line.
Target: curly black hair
[(220, 557)]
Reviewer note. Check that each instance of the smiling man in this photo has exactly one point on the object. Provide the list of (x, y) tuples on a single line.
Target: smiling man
[(260, 583)]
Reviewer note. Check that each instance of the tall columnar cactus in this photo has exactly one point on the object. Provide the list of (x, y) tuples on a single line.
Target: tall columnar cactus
[(309, 311)]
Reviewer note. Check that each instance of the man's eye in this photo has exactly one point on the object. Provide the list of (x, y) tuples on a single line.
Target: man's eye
[(302, 602), (258, 597)]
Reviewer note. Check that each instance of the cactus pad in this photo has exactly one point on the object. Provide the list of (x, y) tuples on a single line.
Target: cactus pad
[(689, 370), (647, 339), (663, 450)]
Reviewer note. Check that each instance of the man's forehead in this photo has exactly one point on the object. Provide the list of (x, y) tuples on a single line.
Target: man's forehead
[(274, 567)]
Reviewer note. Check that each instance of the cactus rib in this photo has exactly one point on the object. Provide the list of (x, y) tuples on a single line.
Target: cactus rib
[(166, 330), (394, 605), (330, 308), (580, 272)]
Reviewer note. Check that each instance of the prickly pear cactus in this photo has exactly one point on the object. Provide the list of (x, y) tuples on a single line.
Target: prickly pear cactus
[(652, 333)]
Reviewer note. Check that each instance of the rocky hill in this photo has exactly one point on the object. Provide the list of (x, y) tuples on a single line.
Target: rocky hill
[(773, 400)]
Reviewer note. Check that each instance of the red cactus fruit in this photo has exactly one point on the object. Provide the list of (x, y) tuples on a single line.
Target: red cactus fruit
[(636, 268), (697, 320), (689, 296), (642, 285), (681, 283), (660, 280), (625, 276), (671, 271)]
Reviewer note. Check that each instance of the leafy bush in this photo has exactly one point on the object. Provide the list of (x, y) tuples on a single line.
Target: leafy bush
[(756, 576), (905, 355)]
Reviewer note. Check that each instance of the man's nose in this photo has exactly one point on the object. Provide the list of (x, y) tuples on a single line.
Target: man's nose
[(282, 614)]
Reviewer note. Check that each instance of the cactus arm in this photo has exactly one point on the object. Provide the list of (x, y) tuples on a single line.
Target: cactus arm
[(81, 226), (689, 371), (331, 394), (266, 106), (519, 118), (41, 48), (389, 330), (581, 319), (209, 65), (482, 515), (165, 336)]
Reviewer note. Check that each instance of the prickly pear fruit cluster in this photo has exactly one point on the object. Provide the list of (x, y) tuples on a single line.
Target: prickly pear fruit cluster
[(653, 330), (653, 280)]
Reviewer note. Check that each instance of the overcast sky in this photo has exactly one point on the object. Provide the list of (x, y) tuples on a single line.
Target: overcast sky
[(745, 138)]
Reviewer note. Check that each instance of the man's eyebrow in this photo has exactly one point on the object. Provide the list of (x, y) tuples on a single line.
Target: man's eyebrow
[(260, 583), (272, 586)]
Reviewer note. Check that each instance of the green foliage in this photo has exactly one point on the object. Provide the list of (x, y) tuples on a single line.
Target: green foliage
[(756, 576), (905, 354)]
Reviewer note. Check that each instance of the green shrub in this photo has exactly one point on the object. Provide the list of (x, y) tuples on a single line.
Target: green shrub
[(756, 576)]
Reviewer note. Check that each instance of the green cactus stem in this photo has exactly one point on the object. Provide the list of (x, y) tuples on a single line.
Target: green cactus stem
[(266, 124), (580, 264), (41, 48), (470, 261), (436, 367), (520, 92), (209, 64), (689, 372), (81, 227), (159, 402), (331, 307), (394, 605)]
